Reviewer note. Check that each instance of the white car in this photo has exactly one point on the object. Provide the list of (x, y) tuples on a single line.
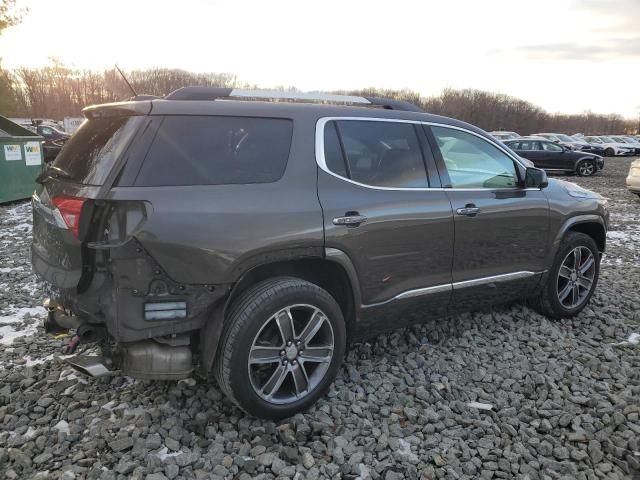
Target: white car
[(504, 135), (611, 147), (633, 179), (634, 142)]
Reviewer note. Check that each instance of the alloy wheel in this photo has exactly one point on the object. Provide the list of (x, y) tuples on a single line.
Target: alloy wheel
[(575, 277), (291, 354), (586, 169)]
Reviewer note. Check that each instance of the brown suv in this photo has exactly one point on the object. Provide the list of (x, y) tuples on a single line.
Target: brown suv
[(254, 239)]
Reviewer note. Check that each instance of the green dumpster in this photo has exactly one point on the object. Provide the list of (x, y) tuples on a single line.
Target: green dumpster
[(21, 160)]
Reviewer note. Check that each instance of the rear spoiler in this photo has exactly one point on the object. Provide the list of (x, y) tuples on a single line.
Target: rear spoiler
[(118, 109)]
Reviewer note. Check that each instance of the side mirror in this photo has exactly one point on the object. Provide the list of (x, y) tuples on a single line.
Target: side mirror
[(535, 178)]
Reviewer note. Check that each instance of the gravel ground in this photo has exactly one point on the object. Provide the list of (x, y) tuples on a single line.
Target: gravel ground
[(499, 394)]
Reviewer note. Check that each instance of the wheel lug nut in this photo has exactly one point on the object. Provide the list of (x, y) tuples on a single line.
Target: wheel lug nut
[(284, 362), (282, 353), (294, 362), (289, 343)]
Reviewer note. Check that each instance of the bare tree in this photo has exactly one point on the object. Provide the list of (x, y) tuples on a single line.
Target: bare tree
[(56, 91)]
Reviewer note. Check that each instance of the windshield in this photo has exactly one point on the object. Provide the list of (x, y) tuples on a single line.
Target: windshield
[(608, 139)]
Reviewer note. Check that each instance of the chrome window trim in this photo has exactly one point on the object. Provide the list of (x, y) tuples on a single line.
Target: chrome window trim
[(321, 161), (448, 287)]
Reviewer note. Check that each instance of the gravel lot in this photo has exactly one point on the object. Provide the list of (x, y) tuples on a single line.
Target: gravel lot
[(499, 394)]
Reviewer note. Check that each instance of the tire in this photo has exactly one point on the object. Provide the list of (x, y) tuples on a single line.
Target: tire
[(609, 152), (548, 302), (253, 333), (586, 168)]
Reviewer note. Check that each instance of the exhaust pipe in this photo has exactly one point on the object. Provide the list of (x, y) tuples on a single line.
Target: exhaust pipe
[(93, 366)]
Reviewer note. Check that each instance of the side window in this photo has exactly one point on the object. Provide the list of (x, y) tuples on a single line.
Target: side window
[(47, 131), (381, 154), (472, 162), (216, 150), (551, 147), (333, 151), (525, 145), (535, 146), (515, 145)]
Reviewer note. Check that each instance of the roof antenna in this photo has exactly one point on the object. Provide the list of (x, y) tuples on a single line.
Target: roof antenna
[(126, 81)]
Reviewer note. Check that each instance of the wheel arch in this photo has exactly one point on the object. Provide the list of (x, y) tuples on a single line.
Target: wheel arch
[(592, 225), (334, 273)]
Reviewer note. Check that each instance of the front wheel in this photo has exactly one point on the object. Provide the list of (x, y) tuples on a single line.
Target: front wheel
[(283, 343), (586, 168), (572, 278), (609, 152)]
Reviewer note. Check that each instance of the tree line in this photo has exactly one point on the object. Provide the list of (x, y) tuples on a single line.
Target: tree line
[(56, 91)]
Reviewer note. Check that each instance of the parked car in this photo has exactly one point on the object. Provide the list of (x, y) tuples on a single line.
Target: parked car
[(503, 135), (586, 146), (554, 157), (52, 148), (633, 179), (254, 239), (562, 139), (632, 142), (611, 147)]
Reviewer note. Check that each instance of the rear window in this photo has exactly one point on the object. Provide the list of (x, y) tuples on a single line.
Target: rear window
[(91, 152), (208, 150)]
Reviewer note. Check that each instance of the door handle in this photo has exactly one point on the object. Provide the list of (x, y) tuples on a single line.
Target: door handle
[(469, 210), (350, 220)]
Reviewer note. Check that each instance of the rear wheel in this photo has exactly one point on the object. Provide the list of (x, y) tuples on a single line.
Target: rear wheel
[(572, 278), (283, 344), (586, 168)]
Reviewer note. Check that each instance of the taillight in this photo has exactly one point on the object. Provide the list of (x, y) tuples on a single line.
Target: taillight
[(70, 209)]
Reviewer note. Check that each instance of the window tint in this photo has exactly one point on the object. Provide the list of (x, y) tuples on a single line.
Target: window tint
[(551, 147), (382, 154), (214, 150), (333, 151), (91, 152), (472, 162)]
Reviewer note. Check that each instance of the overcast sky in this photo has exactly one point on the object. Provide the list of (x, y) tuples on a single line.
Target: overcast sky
[(564, 55)]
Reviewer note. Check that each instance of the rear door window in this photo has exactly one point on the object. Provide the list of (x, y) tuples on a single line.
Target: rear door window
[(216, 150), (91, 152), (381, 154)]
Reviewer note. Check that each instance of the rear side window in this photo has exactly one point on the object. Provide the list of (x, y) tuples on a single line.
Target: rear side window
[(216, 150), (91, 152), (381, 154)]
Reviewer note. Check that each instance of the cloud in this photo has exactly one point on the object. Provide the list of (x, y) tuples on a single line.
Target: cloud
[(621, 16), (611, 32), (610, 49)]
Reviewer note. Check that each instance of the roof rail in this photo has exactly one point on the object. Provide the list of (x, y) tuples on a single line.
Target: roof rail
[(213, 93)]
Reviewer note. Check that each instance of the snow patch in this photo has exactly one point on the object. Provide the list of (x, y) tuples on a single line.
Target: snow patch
[(480, 406), (363, 472), (9, 332), (634, 339), (163, 454), (62, 426), (37, 361)]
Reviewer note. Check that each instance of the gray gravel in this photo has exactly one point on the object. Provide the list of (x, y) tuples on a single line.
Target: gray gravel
[(553, 399)]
